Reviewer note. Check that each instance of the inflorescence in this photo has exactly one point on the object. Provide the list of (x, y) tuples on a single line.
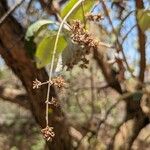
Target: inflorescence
[(81, 37), (94, 18), (58, 82), (48, 133), (87, 43)]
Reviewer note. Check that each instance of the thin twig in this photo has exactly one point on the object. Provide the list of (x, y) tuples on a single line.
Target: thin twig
[(122, 97), (22, 36), (107, 114), (124, 19), (102, 87), (80, 107), (83, 13), (124, 38), (3, 18), (29, 5), (117, 40)]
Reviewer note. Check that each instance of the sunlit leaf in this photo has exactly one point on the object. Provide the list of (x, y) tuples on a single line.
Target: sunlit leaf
[(67, 8), (36, 27), (45, 49), (32, 33), (78, 13), (143, 17)]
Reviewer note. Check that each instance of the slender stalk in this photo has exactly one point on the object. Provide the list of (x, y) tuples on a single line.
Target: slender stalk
[(53, 55), (83, 13)]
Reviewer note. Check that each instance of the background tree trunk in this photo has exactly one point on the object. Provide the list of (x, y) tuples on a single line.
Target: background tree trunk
[(135, 118), (13, 51), (130, 129)]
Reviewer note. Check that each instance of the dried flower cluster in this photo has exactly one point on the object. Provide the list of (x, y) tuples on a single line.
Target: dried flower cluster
[(77, 56), (54, 102), (85, 61), (82, 37), (58, 82), (48, 133), (36, 84), (95, 18)]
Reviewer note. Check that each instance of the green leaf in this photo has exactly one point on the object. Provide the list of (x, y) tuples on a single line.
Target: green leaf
[(30, 47), (36, 27), (32, 33), (67, 8), (45, 49), (143, 17), (78, 13)]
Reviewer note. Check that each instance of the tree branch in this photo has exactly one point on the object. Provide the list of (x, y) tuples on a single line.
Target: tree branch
[(118, 45), (107, 71), (14, 96), (142, 43), (126, 35), (16, 57)]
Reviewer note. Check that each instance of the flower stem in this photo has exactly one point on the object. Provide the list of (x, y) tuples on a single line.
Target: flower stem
[(53, 55)]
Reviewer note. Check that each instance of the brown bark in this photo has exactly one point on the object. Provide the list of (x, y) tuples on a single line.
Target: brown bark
[(134, 112), (15, 96), (108, 73), (142, 43), (13, 52), (136, 119), (129, 131)]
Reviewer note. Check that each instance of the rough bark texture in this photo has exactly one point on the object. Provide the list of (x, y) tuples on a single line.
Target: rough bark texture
[(13, 52), (136, 119), (15, 96), (134, 112), (129, 131)]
